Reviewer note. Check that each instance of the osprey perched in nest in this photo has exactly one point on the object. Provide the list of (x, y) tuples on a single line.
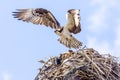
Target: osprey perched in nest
[(40, 16)]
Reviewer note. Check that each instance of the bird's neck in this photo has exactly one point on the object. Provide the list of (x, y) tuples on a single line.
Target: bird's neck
[(69, 18)]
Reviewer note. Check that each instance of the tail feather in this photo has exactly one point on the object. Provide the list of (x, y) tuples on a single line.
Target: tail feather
[(70, 42)]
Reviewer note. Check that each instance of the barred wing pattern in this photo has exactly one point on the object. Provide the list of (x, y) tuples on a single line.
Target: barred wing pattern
[(70, 42), (37, 16)]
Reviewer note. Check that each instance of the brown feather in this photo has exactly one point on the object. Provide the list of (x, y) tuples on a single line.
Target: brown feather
[(70, 42), (37, 16)]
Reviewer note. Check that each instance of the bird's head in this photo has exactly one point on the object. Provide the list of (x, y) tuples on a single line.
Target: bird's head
[(74, 11)]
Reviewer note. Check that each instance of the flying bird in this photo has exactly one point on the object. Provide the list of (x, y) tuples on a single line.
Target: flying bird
[(41, 16)]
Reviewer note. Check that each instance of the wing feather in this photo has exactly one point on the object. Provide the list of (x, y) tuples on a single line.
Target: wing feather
[(37, 16), (70, 41)]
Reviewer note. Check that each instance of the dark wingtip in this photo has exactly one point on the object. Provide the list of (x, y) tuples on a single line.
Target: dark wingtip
[(17, 11), (14, 14)]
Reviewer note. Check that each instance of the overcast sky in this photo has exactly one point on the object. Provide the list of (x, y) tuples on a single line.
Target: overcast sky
[(23, 44)]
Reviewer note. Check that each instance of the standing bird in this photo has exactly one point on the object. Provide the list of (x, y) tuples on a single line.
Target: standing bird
[(40, 16)]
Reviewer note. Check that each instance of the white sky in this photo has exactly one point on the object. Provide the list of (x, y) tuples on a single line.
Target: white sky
[(23, 44)]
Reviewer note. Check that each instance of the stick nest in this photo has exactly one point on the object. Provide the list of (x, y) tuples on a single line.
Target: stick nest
[(84, 64)]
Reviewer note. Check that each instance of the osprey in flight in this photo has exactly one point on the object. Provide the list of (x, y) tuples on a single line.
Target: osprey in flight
[(40, 16)]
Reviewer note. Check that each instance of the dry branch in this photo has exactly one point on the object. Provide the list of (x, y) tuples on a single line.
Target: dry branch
[(84, 64)]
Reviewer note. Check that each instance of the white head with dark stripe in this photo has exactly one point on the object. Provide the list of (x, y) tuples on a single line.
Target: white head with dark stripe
[(76, 14)]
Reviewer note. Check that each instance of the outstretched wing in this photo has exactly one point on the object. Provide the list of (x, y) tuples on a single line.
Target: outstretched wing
[(37, 16), (73, 21), (69, 41)]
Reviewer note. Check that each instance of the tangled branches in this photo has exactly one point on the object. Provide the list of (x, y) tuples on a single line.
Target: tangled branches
[(84, 64)]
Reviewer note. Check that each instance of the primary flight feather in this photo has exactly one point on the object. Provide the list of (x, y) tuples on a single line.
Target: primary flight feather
[(40, 16)]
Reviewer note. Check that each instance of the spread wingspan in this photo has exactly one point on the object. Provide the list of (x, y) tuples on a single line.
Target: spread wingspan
[(40, 16)]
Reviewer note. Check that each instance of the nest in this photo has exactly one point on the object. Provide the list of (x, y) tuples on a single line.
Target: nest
[(84, 64)]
